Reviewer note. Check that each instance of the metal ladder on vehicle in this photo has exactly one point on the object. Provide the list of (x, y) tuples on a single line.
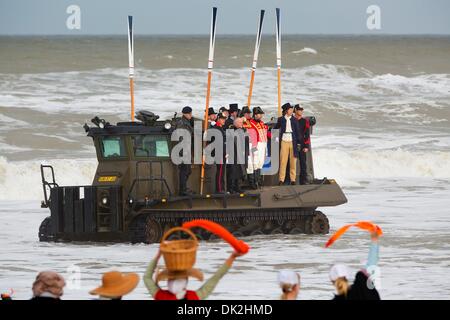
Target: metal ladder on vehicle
[(45, 184)]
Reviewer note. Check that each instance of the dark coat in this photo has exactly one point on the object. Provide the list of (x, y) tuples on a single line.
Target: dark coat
[(238, 171), (222, 131), (44, 299), (304, 138), (281, 124), (184, 123), (229, 123), (359, 290)]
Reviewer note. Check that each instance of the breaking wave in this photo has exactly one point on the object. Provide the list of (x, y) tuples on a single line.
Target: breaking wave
[(20, 180), (360, 93), (306, 50)]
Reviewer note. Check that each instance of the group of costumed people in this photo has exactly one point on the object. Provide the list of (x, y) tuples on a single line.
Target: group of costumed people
[(294, 145), (49, 285)]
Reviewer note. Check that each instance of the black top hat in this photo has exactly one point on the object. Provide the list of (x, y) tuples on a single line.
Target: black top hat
[(297, 107), (257, 110), (234, 107), (211, 111), (286, 106), (186, 109)]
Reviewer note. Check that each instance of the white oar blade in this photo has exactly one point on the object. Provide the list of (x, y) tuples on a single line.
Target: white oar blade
[(278, 36), (258, 39), (212, 39), (130, 47)]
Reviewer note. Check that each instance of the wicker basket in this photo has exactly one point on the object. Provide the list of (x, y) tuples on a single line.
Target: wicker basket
[(179, 255)]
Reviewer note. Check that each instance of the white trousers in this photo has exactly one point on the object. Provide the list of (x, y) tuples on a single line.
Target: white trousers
[(256, 159)]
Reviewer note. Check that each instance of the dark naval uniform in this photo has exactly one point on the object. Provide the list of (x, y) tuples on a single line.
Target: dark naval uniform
[(236, 171), (304, 142), (184, 169), (220, 167)]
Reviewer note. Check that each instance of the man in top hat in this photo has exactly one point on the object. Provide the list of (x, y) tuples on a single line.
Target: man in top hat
[(177, 281), (212, 116), (234, 109), (186, 122), (304, 142), (258, 141), (115, 285), (289, 133)]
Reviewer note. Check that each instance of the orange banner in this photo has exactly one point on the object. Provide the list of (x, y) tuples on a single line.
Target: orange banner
[(238, 245), (364, 225)]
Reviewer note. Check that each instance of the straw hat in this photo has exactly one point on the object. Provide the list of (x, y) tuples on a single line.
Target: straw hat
[(116, 284), (172, 275)]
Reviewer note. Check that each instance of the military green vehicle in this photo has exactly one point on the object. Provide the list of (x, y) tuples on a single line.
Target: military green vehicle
[(133, 194)]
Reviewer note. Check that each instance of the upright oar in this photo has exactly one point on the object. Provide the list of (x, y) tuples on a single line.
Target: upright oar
[(131, 63), (255, 57), (278, 36), (212, 41)]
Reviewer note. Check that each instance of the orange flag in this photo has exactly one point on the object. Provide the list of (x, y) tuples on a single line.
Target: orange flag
[(364, 225), (218, 230)]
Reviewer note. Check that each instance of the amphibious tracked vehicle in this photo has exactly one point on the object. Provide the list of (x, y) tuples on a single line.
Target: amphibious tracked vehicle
[(133, 194)]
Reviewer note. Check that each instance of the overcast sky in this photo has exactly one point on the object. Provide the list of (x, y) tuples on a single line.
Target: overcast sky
[(234, 16)]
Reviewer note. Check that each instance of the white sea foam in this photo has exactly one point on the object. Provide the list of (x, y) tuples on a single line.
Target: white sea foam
[(359, 164), (419, 99), (21, 179), (306, 50)]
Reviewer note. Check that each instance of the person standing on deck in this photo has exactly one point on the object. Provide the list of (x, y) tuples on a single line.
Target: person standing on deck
[(258, 138), (234, 110), (186, 122), (212, 116), (220, 167), (237, 165), (289, 133), (304, 142), (246, 115)]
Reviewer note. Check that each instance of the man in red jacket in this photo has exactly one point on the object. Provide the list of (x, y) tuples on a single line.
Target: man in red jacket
[(258, 139)]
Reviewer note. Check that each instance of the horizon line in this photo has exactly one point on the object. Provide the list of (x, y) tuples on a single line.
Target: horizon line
[(219, 35)]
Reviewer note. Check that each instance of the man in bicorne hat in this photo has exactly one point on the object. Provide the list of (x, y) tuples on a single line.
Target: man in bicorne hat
[(289, 133), (258, 141), (212, 116), (304, 142), (220, 167), (246, 114), (225, 111), (177, 281)]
